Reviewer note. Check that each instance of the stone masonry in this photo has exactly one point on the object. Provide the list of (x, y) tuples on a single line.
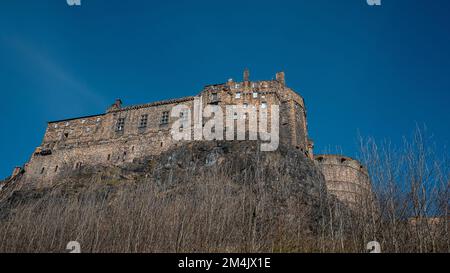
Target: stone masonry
[(123, 134)]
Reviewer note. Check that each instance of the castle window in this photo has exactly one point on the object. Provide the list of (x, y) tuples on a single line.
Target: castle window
[(109, 157), (56, 168), (184, 115), (165, 118), (66, 135), (238, 95), (245, 105), (214, 97), (78, 165), (143, 121), (343, 160), (264, 105), (255, 95), (42, 170), (120, 124)]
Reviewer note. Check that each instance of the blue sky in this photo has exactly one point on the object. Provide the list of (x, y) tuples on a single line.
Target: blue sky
[(373, 70)]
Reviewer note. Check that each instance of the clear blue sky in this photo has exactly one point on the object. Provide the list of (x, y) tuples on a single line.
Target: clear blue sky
[(376, 70)]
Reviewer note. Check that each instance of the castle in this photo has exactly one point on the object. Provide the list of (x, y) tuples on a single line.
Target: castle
[(123, 134)]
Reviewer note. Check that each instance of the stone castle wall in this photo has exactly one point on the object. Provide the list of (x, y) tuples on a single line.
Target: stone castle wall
[(70, 144), (345, 178), (123, 134)]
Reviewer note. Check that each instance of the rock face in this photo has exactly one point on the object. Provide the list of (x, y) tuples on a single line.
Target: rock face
[(225, 196), (241, 162)]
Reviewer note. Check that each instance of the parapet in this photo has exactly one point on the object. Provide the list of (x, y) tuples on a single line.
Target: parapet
[(345, 177)]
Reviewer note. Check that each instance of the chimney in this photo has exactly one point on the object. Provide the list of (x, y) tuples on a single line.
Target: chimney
[(116, 106), (280, 78), (118, 103), (246, 75)]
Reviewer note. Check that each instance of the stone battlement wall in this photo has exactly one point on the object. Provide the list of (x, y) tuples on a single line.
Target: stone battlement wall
[(345, 177)]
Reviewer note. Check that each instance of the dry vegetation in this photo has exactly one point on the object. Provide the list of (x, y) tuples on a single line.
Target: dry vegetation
[(213, 212)]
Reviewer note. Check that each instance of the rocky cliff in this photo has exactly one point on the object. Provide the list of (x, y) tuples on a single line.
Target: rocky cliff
[(227, 193)]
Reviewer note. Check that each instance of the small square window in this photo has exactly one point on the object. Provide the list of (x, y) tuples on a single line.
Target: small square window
[(263, 105), (165, 118), (143, 121), (245, 105), (255, 95), (214, 97), (238, 95), (120, 125)]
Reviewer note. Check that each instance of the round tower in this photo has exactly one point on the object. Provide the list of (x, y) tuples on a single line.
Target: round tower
[(345, 177)]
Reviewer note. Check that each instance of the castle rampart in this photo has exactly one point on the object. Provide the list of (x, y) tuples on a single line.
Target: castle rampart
[(345, 177), (123, 134)]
